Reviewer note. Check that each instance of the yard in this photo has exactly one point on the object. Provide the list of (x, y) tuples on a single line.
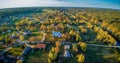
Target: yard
[(38, 56), (100, 55), (16, 51)]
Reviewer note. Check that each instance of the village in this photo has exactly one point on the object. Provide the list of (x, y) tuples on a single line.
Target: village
[(58, 35)]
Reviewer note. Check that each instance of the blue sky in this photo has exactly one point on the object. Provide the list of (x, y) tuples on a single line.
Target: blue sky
[(114, 4)]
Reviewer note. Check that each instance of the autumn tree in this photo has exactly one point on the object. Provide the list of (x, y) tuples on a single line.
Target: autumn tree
[(32, 39), (83, 46), (80, 58), (19, 61), (75, 47), (42, 27), (22, 38), (58, 44)]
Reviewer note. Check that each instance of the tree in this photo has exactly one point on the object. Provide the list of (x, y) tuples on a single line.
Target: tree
[(57, 50), (78, 37), (52, 56), (1, 38), (32, 39), (19, 61), (43, 27), (83, 30), (83, 46), (7, 38), (80, 58), (74, 47), (58, 44), (22, 38)]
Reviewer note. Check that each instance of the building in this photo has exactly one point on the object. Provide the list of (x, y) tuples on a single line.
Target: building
[(27, 33), (117, 43), (41, 46), (67, 54), (66, 46), (56, 34), (26, 50)]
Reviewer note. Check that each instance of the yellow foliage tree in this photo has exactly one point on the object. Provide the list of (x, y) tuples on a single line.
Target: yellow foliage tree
[(19, 61), (80, 58), (83, 46), (22, 38)]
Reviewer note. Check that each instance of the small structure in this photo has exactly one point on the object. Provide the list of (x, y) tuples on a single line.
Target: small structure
[(56, 34), (67, 47), (1, 57), (14, 36), (27, 49), (22, 59), (9, 31), (27, 33), (1, 42), (67, 54), (117, 43), (41, 46)]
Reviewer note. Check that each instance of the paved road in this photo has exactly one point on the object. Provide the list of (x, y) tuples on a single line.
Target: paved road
[(102, 45)]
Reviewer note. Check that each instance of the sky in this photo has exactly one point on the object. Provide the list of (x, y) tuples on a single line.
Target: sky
[(113, 4)]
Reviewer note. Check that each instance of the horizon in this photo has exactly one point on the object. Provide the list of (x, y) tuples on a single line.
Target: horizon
[(111, 4)]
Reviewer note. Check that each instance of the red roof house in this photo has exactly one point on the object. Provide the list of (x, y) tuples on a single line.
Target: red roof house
[(41, 46)]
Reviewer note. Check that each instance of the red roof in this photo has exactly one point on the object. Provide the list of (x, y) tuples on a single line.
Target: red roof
[(41, 46)]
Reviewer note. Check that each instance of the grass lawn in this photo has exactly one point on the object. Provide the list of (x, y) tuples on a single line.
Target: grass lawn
[(37, 33), (100, 55), (16, 51), (38, 56)]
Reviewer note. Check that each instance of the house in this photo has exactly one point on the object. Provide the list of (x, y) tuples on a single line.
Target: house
[(1, 57), (10, 56), (41, 46), (14, 36), (2, 42), (26, 50), (67, 54), (117, 43), (9, 31), (27, 33), (66, 46), (56, 34), (22, 59)]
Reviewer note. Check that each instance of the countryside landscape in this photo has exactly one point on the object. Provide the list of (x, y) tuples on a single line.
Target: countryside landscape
[(59, 35)]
